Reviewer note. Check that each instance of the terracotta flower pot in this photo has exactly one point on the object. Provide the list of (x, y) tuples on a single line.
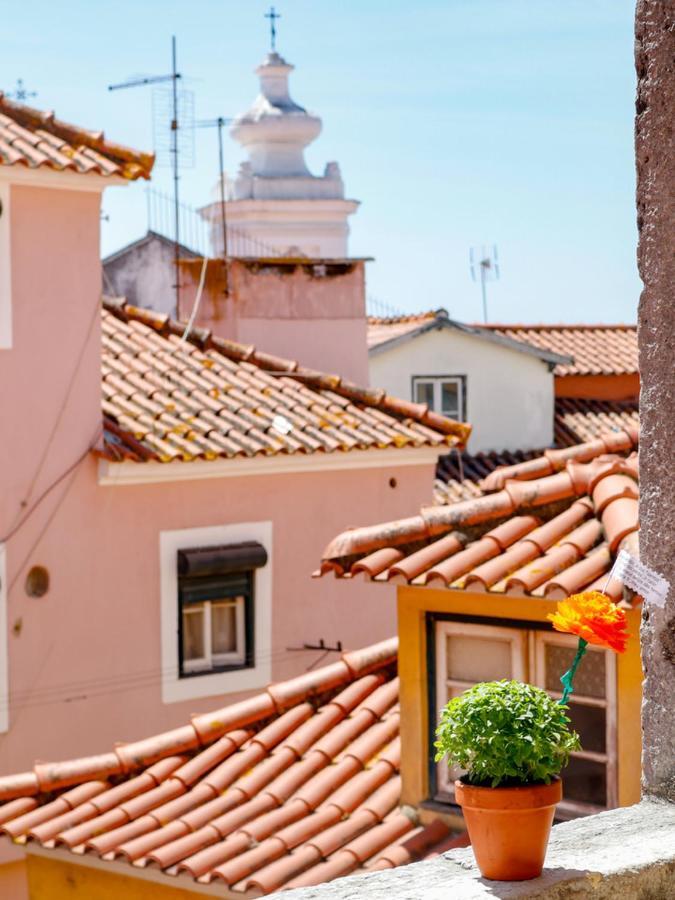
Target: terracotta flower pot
[(509, 827)]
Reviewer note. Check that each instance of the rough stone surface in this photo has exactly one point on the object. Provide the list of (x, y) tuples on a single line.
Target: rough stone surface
[(655, 159), (624, 853)]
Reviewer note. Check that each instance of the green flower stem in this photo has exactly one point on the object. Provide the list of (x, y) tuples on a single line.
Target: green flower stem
[(568, 677)]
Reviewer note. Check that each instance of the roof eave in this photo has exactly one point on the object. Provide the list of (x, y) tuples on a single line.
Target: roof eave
[(553, 359)]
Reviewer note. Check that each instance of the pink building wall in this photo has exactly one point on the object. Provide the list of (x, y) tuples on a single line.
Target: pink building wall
[(85, 666), (55, 290), (311, 311), (84, 660)]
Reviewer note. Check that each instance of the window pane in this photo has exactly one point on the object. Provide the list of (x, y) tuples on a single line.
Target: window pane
[(477, 659), (586, 781), (589, 680), (424, 393), (450, 399), (590, 723), (193, 633), (223, 628)]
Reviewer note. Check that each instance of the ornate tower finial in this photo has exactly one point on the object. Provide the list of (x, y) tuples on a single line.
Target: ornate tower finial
[(272, 15)]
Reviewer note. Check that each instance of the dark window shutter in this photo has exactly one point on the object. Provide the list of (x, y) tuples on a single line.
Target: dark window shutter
[(201, 562)]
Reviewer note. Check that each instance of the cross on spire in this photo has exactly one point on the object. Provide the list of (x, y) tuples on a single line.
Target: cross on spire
[(272, 15)]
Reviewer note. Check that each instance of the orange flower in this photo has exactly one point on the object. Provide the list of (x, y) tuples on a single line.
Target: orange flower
[(592, 616)]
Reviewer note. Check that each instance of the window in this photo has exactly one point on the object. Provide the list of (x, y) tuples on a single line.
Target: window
[(217, 606), (443, 394), (467, 653), (216, 610)]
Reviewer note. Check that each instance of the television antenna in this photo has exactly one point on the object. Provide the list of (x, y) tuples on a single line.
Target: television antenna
[(21, 93), (219, 123), (484, 267), (173, 77)]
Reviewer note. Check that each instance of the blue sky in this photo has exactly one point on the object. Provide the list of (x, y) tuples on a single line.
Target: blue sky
[(455, 123)]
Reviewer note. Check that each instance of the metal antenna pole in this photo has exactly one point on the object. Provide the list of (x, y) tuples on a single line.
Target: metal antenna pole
[(223, 213), (483, 290), (174, 150), (220, 122), (155, 79)]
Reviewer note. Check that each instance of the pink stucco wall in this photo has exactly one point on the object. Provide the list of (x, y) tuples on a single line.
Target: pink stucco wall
[(84, 660), (55, 273), (288, 309), (85, 666)]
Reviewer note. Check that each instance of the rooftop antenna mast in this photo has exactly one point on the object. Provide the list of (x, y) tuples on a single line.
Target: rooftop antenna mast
[(155, 79), (484, 267), (219, 123), (21, 93)]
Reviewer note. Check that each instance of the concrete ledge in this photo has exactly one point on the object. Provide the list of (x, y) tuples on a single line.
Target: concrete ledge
[(623, 853)]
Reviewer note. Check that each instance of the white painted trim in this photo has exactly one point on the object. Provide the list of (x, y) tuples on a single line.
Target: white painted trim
[(4, 649), (110, 473), (5, 268), (65, 180), (175, 689), (150, 873)]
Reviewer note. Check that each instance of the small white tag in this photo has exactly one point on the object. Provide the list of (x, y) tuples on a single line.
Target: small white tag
[(645, 581)]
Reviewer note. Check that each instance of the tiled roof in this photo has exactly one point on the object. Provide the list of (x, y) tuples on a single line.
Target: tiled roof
[(382, 329), (597, 349), (594, 349), (29, 137), (165, 399), (459, 473), (385, 332), (294, 786), (546, 527)]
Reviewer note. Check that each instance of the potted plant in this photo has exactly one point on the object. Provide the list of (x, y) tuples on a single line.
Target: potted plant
[(513, 740)]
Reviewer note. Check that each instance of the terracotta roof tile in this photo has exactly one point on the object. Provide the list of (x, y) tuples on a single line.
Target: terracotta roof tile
[(169, 401), (251, 795), (37, 139), (541, 527), (596, 349)]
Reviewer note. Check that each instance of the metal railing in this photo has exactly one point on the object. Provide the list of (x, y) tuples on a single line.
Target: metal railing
[(195, 231)]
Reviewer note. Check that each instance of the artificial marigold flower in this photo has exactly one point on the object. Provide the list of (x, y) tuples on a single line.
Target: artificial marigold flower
[(592, 616)]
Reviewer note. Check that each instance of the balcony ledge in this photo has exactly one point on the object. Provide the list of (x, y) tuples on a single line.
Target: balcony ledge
[(623, 853)]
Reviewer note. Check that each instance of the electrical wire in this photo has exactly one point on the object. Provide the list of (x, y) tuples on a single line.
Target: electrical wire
[(195, 306), (78, 691), (59, 415)]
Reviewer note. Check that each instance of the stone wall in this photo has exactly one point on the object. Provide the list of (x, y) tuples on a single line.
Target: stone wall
[(655, 159)]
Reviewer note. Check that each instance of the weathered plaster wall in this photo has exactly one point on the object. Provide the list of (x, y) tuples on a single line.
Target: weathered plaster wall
[(655, 156), (145, 275), (313, 312), (509, 394)]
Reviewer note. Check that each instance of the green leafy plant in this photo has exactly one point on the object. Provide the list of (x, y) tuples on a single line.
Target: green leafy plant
[(505, 733)]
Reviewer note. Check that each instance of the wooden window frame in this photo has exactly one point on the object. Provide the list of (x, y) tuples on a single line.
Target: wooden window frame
[(527, 665), (538, 642), (215, 662), (519, 648)]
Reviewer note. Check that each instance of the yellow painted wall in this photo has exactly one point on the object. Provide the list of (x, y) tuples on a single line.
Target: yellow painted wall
[(55, 879), (13, 881), (415, 602)]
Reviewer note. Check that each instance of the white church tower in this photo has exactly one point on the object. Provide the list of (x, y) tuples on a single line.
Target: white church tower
[(275, 204)]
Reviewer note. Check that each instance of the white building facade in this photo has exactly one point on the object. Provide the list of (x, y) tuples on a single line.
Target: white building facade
[(504, 388)]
